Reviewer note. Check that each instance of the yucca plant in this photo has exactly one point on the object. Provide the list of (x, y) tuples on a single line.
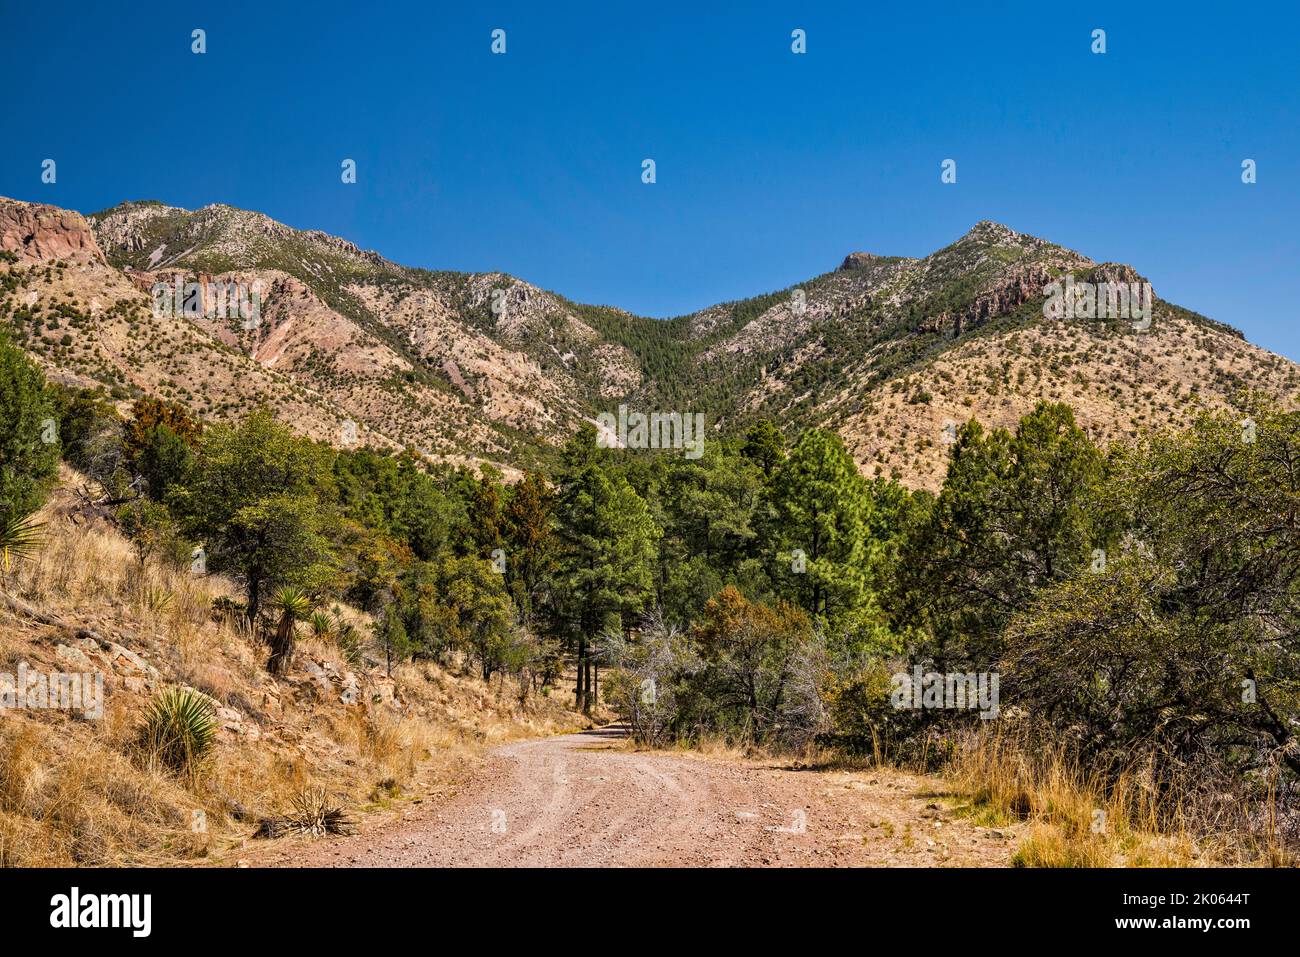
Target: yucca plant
[(312, 813), (180, 730), (333, 627), (293, 604), (322, 625), (156, 598), (20, 537)]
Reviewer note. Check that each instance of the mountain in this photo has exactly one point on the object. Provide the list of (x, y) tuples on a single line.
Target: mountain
[(483, 367)]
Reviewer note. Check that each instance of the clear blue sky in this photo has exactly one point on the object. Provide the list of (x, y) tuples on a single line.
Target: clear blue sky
[(771, 166)]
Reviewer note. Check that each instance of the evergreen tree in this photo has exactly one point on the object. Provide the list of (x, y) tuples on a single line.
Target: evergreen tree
[(765, 445), (256, 501), (163, 459), (29, 447), (1184, 647), (83, 414), (606, 563), (458, 603), (711, 518), (822, 510), (483, 518), (1016, 513), (529, 533)]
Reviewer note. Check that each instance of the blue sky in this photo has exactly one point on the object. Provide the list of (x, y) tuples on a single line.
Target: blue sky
[(771, 166)]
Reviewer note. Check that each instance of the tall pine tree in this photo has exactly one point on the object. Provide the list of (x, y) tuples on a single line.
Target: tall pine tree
[(822, 508), (608, 547)]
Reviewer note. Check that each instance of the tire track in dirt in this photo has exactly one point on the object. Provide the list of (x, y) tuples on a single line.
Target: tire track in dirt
[(584, 800)]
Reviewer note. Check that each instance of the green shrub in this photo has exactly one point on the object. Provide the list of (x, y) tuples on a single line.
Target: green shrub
[(180, 730)]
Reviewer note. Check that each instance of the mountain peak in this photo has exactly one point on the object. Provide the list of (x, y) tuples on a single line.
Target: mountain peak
[(217, 237), (882, 351), (987, 231), (980, 239), (858, 260)]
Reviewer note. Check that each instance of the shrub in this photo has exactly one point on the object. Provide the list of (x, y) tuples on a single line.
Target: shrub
[(180, 730), (646, 671)]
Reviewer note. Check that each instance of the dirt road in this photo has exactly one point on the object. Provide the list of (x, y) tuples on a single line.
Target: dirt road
[(585, 800)]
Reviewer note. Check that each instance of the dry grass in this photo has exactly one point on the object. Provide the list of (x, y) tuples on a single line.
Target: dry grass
[(718, 748), (1070, 815), (1079, 817), (79, 799), (80, 792)]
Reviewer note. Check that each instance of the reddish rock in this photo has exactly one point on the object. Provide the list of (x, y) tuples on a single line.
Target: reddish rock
[(38, 233), (1023, 285)]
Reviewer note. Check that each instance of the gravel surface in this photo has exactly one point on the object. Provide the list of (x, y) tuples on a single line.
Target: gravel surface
[(586, 800)]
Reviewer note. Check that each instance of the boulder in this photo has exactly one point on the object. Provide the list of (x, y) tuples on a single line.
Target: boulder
[(76, 658)]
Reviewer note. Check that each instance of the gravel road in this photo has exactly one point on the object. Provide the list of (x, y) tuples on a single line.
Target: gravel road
[(585, 800)]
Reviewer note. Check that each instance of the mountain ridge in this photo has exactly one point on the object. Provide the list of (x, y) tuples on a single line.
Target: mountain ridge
[(489, 368)]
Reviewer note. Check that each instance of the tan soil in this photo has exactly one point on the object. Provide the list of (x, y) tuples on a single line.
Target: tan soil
[(586, 800)]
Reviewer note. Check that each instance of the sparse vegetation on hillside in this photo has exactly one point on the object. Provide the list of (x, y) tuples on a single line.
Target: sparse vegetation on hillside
[(483, 367), (1075, 510)]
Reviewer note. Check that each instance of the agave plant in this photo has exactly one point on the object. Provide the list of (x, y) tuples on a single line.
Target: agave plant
[(333, 627), (293, 604), (20, 537), (179, 730), (156, 598), (312, 813), (323, 625)]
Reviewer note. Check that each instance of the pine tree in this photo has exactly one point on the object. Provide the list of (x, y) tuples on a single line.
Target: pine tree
[(609, 544), (29, 448), (822, 510), (1016, 513), (529, 533), (711, 518), (765, 444)]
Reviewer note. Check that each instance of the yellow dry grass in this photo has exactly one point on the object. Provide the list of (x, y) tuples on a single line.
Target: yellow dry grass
[(1079, 817), (79, 792)]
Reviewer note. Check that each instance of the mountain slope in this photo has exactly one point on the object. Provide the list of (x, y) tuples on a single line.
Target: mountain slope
[(482, 364), (889, 351), (88, 324)]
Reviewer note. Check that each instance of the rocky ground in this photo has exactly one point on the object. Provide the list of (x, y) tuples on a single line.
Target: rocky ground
[(589, 800)]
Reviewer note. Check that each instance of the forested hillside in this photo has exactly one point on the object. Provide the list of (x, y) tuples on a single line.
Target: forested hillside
[(1128, 609), (926, 520)]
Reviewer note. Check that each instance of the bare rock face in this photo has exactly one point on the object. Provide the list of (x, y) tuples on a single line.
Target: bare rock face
[(857, 261), (1118, 273), (1022, 285), (37, 233)]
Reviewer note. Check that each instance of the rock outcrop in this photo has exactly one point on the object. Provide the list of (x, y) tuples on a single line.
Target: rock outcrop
[(857, 261), (39, 233), (1012, 291)]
